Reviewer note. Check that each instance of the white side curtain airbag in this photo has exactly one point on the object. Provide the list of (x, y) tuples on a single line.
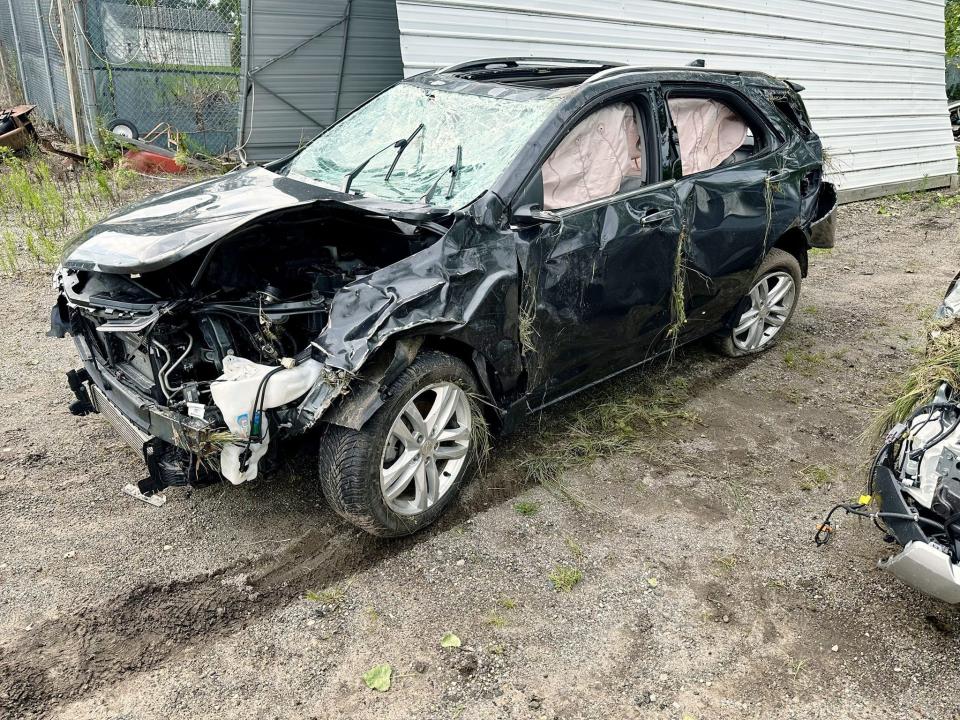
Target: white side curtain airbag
[(592, 161), (709, 132)]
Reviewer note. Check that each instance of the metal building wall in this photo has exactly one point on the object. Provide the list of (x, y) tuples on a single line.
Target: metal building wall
[(873, 71), (307, 63)]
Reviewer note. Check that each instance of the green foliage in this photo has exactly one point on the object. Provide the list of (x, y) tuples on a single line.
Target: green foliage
[(378, 677), (330, 596), (939, 364), (952, 28), (527, 507), (565, 578), (620, 421), (44, 202), (450, 640), (816, 476)]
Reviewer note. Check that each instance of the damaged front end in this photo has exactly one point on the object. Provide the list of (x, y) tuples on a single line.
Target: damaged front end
[(915, 479), (204, 356)]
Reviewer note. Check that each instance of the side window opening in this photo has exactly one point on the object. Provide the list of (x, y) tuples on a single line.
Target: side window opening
[(791, 107), (711, 133), (603, 155)]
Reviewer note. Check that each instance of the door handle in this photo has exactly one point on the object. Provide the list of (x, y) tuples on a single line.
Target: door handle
[(775, 176), (656, 217)]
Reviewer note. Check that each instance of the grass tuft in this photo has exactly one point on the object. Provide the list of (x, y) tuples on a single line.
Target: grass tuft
[(527, 507), (565, 578), (620, 421), (44, 201), (939, 364)]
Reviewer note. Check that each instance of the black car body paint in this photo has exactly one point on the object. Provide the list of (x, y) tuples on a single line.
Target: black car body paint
[(593, 290)]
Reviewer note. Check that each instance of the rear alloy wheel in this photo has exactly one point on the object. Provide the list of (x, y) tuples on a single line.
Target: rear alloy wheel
[(401, 470), (772, 300)]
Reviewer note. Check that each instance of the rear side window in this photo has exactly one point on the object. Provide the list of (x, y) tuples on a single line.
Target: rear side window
[(791, 107), (711, 133)]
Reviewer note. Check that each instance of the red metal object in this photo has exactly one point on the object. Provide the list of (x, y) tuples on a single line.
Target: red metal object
[(150, 162)]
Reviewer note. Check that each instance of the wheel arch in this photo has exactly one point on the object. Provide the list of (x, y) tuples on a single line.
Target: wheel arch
[(353, 409), (794, 242)]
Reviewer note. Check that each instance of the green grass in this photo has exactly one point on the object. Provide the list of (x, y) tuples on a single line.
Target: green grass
[(527, 507), (496, 620), (814, 477), (804, 362), (940, 363), (565, 578), (622, 420), (43, 203), (507, 603), (330, 596), (574, 547), (726, 563)]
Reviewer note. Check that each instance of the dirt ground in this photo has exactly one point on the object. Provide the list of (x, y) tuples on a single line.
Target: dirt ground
[(702, 594)]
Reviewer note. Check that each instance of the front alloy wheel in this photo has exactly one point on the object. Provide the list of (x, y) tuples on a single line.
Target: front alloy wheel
[(402, 469), (771, 302), (426, 448)]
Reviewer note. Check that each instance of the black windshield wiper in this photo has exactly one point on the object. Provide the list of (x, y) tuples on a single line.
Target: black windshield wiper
[(399, 144), (454, 171), (400, 148)]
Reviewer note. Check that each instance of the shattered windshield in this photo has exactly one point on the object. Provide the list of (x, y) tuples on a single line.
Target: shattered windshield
[(446, 146)]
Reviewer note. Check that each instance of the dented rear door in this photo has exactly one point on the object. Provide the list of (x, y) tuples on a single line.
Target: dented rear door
[(731, 215)]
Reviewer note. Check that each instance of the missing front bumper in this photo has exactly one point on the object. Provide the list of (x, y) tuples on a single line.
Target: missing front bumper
[(131, 434), (921, 564)]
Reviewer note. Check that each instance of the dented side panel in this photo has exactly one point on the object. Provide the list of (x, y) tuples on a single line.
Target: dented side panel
[(596, 290), (464, 286)]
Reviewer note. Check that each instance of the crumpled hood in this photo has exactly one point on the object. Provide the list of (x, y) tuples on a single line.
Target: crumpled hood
[(160, 230)]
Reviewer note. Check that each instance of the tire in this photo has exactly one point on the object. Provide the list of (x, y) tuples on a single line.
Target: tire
[(123, 128), (355, 465), (778, 266)]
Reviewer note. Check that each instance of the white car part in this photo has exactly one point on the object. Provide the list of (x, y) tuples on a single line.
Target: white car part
[(920, 479), (925, 567), (234, 393)]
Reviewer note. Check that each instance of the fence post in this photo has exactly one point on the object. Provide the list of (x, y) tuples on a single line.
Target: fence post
[(88, 88), (16, 42), (65, 8), (46, 59)]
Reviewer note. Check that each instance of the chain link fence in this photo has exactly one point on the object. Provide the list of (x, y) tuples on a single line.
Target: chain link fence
[(167, 71), (31, 60), (164, 71)]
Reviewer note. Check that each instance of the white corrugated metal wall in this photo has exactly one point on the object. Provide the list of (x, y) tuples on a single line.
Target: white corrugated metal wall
[(873, 71)]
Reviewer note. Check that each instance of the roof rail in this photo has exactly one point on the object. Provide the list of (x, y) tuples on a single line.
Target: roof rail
[(610, 72), (624, 69), (483, 63)]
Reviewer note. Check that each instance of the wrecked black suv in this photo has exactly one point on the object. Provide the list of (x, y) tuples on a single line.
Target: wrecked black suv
[(467, 247)]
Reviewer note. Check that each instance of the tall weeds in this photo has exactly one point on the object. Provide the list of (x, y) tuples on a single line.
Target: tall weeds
[(44, 202)]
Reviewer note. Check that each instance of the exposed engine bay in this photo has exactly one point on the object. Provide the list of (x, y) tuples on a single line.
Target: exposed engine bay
[(203, 336), (915, 479)]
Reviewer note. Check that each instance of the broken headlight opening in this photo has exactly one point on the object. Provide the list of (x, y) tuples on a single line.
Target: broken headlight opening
[(913, 496), (203, 382)]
